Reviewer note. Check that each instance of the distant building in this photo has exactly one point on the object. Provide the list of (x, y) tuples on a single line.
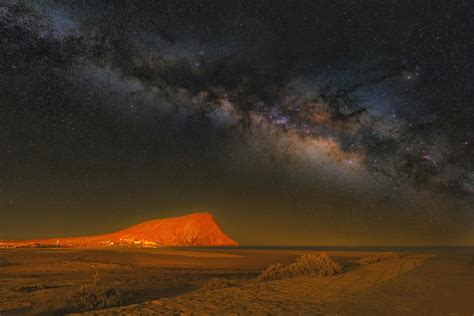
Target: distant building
[(150, 244)]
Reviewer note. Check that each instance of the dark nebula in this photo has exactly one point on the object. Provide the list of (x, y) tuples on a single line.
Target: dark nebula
[(305, 122)]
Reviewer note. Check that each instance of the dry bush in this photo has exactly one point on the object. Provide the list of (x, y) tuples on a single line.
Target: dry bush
[(217, 283), (323, 264), (93, 296), (305, 265), (274, 272), (378, 258)]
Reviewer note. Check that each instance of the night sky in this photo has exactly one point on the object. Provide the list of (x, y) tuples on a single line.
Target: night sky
[(295, 122)]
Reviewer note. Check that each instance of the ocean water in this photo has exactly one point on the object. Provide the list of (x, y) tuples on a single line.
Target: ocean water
[(421, 249)]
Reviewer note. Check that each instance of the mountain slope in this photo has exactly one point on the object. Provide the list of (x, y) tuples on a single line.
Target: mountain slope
[(197, 229)]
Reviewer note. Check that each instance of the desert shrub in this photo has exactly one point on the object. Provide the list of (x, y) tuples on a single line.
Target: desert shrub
[(326, 265), (217, 283), (305, 265), (93, 296), (274, 272), (378, 258)]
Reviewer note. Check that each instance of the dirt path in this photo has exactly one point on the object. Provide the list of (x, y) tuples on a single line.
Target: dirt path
[(408, 285), (443, 285)]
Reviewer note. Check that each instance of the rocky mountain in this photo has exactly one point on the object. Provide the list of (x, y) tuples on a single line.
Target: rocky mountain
[(197, 229)]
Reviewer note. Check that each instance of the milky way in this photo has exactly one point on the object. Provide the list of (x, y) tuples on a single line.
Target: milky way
[(329, 102)]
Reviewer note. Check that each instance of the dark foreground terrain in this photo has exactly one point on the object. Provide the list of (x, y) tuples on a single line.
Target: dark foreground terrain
[(222, 281)]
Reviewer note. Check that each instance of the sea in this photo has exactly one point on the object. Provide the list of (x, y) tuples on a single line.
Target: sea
[(420, 249)]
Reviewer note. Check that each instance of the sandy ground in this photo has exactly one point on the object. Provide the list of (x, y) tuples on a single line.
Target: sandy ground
[(170, 281)]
